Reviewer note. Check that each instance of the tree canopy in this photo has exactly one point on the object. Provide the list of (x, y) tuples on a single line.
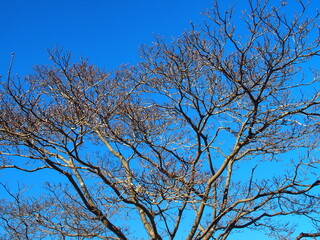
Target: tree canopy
[(210, 134)]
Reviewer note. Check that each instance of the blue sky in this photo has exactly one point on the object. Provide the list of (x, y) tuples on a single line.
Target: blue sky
[(108, 32)]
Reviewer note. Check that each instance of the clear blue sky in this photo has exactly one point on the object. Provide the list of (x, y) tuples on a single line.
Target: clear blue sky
[(108, 32)]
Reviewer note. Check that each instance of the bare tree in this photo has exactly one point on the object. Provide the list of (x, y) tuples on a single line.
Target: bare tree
[(214, 133)]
